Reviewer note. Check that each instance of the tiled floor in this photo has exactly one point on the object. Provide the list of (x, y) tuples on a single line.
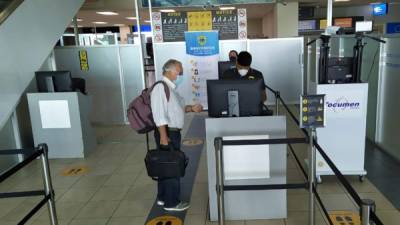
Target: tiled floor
[(117, 191)]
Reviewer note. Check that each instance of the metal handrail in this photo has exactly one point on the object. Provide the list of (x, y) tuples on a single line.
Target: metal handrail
[(9, 10), (48, 192)]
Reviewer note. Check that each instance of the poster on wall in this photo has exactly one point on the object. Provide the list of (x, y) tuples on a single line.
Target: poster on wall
[(171, 27), (202, 51)]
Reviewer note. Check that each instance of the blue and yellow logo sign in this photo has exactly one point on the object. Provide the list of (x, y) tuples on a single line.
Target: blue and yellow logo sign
[(202, 43), (202, 40)]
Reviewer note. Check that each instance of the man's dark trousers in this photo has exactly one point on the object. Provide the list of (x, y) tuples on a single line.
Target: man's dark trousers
[(169, 190)]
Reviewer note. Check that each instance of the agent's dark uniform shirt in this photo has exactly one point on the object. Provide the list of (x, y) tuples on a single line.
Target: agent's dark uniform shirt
[(252, 74)]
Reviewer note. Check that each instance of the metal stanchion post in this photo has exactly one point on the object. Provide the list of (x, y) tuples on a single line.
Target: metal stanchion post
[(277, 95), (48, 187), (311, 177), (367, 206), (220, 180)]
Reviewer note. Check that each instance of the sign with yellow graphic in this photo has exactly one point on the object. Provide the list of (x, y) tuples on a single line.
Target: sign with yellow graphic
[(170, 27), (75, 171), (165, 220), (83, 60), (199, 21), (312, 111), (345, 218)]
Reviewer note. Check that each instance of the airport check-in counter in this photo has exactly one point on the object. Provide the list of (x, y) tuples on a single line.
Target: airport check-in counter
[(62, 121), (248, 165)]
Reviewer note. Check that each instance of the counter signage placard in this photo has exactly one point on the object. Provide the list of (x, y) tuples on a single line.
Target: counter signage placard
[(230, 24), (312, 111)]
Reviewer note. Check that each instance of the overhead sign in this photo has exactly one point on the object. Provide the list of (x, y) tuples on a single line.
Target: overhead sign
[(312, 111), (343, 22), (393, 28), (171, 27)]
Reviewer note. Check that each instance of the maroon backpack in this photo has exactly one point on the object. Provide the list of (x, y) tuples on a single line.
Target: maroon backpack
[(139, 113)]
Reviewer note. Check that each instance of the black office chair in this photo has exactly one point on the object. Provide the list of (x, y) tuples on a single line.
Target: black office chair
[(79, 84), (266, 111)]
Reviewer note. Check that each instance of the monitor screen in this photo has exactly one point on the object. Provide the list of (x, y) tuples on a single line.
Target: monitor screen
[(323, 24), (364, 26), (344, 22), (234, 98), (307, 25), (224, 66), (54, 81), (379, 9)]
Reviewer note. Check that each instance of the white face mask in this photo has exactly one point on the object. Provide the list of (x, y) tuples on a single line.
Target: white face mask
[(243, 72)]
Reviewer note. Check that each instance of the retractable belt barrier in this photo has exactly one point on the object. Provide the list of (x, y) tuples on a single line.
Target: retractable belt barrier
[(367, 213), (48, 192)]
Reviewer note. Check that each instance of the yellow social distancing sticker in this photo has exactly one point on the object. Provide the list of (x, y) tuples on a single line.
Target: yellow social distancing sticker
[(165, 220), (345, 218), (75, 171)]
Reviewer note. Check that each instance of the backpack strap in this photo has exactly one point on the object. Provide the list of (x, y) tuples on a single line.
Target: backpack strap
[(166, 88)]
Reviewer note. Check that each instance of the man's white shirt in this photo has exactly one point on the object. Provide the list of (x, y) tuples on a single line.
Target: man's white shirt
[(172, 112)]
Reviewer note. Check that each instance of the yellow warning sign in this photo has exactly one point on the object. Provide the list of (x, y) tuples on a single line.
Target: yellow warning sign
[(165, 220), (75, 171), (83, 59), (345, 218), (192, 141), (199, 21)]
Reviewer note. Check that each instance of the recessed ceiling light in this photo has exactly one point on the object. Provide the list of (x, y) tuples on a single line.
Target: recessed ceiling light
[(227, 8), (119, 25), (100, 22), (107, 13), (147, 21), (131, 18), (74, 26), (342, 0), (167, 10), (78, 20)]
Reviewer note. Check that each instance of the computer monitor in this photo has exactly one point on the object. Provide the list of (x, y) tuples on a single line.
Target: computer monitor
[(234, 98), (224, 66), (54, 81)]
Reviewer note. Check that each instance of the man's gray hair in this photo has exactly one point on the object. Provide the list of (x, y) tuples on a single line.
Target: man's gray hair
[(170, 66)]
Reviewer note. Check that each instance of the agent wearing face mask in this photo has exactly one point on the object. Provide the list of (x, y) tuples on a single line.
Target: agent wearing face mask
[(233, 56), (169, 115), (243, 71)]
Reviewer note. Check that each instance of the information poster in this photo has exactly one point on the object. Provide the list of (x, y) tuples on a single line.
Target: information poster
[(171, 27), (174, 26), (226, 22), (202, 50), (199, 21)]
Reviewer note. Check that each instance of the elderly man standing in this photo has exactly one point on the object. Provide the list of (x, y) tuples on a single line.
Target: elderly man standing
[(169, 116)]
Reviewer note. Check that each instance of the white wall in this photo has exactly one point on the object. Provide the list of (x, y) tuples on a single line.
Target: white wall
[(254, 27), (287, 19), (26, 39), (269, 25)]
